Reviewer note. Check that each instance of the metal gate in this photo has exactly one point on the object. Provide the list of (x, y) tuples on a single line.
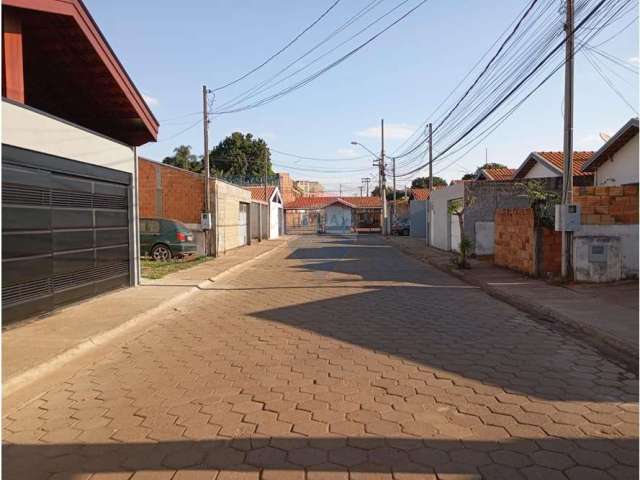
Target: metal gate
[(65, 231), (243, 225)]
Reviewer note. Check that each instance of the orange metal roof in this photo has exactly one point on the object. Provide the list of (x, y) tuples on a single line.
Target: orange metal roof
[(304, 203)]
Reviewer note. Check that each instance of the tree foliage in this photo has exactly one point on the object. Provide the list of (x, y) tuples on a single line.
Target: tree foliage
[(183, 158), (423, 182), (241, 154), (493, 165)]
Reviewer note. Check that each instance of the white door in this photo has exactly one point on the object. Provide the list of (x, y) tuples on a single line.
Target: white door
[(338, 219), (455, 233), (243, 238)]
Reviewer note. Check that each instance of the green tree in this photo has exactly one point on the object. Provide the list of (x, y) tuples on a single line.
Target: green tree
[(493, 165), (241, 154), (183, 158), (469, 176), (423, 182)]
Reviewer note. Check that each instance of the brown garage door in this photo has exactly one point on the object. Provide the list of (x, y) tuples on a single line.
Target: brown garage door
[(65, 231)]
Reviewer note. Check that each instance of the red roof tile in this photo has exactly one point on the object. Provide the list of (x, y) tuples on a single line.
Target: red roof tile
[(257, 192), (306, 203), (557, 160), (423, 193), (498, 174)]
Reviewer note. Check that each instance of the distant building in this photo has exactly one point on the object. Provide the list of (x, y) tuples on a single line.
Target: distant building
[(333, 215), (309, 187)]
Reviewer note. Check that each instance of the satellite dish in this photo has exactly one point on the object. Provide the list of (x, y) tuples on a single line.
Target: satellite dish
[(604, 136)]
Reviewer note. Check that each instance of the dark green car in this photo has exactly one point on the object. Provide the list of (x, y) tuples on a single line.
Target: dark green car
[(163, 239)]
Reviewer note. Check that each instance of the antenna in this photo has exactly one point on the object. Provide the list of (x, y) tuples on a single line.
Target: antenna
[(604, 136)]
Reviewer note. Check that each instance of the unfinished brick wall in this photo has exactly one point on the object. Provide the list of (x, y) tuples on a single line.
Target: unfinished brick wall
[(169, 192), (607, 205), (551, 251), (515, 240)]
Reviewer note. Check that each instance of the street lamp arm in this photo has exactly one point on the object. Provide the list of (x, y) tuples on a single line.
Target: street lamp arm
[(358, 143)]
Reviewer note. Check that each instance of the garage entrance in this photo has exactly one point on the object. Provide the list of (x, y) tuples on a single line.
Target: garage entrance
[(65, 231)]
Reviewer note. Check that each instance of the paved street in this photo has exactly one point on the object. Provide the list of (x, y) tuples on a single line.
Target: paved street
[(335, 358)]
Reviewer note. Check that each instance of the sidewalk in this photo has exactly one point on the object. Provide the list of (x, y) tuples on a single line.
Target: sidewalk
[(604, 316), (33, 346)]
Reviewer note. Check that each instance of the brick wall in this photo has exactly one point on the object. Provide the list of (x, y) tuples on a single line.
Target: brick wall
[(515, 240), (146, 188), (170, 192), (607, 205), (551, 251)]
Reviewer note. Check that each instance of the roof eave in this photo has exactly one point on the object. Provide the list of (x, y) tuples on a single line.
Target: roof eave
[(598, 157), (81, 15)]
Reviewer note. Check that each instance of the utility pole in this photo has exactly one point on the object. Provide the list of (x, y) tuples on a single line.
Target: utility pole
[(211, 234), (361, 187), (395, 205), (366, 181), (567, 176), (383, 182), (340, 189), (427, 203)]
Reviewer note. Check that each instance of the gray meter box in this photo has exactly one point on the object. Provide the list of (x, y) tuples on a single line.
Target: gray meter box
[(205, 221), (567, 218)]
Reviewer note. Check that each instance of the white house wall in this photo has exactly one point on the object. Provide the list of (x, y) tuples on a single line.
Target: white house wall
[(539, 170), (26, 128), (229, 197), (622, 167), (440, 218)]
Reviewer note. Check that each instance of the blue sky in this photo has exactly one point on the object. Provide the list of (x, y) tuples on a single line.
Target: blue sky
[(171, 49)]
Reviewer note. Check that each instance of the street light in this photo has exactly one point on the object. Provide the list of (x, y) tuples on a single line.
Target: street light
[(358, 143)]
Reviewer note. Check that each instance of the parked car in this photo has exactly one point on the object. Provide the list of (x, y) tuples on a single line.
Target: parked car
[(400, 227), (163, 239)]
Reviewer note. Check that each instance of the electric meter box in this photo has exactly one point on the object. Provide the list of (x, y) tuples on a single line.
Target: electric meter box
[(567, 218), (205, 221)]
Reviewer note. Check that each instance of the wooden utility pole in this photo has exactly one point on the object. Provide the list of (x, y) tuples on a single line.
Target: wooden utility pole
[(361, 188), (567, 175), (211, 234), (427, 203), (383, 182), (395, 205)]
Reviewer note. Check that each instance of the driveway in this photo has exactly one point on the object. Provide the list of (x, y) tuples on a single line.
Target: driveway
[(338, 357)]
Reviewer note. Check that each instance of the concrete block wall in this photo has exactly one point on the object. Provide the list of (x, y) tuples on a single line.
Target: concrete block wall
[(515, 239), (616, 205), (228, 198)]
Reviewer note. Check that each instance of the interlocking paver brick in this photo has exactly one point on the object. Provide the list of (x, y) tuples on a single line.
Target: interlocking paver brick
[(279, 373)]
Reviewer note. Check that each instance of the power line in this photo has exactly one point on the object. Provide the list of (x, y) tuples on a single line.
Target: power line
[(319, 159), (320, 72), (177, 134), (295, 39), (257, 89), (521, 82), (608, 81)]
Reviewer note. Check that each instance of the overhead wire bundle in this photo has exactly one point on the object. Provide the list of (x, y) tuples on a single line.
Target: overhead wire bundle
[(532, 52)]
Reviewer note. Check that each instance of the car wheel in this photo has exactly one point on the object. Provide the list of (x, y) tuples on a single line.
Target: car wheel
[(161, 253)]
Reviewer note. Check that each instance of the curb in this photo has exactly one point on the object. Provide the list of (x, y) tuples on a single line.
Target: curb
[(610, 347), (13, 384)]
